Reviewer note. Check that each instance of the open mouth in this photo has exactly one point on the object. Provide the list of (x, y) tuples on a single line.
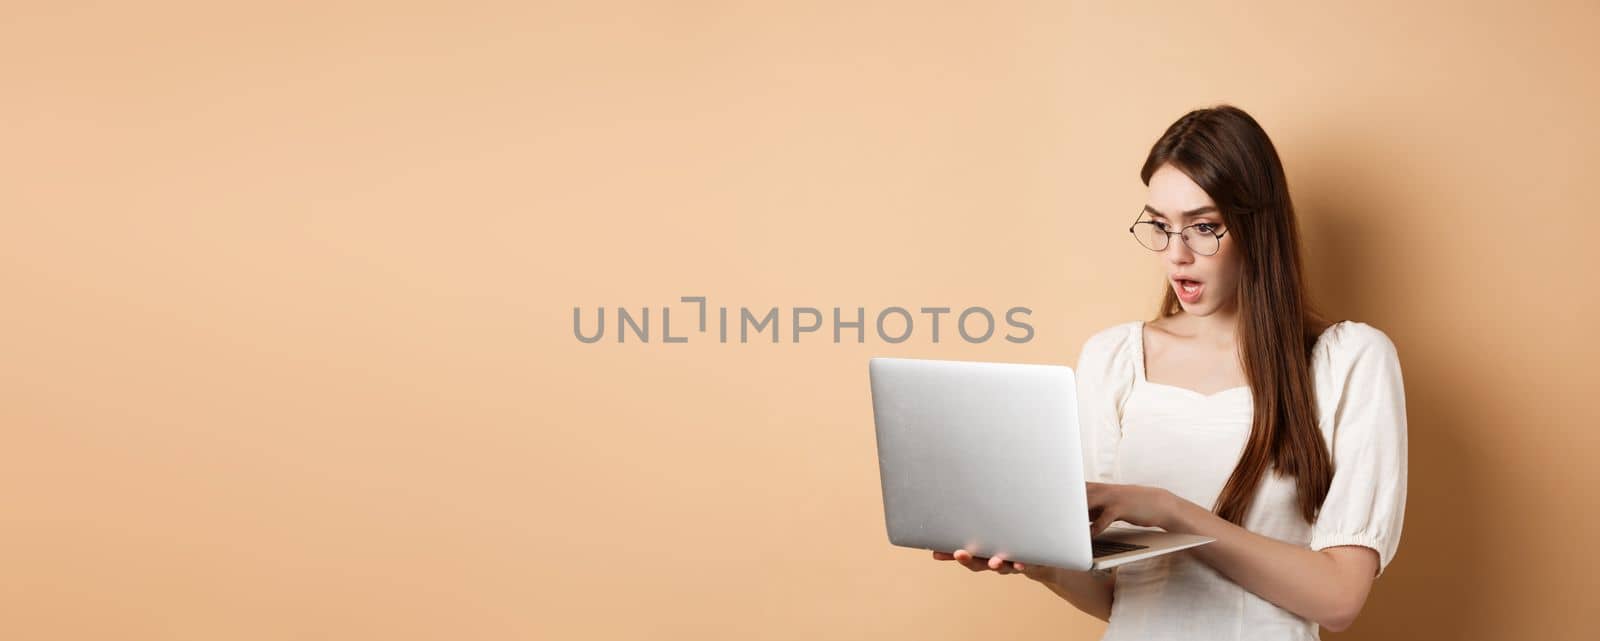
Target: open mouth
[(1188, 290)]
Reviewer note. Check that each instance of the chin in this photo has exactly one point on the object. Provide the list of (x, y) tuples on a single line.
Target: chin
[(1202, 308)]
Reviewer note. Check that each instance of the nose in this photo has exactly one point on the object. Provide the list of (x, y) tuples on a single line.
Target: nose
[(1178, 252)]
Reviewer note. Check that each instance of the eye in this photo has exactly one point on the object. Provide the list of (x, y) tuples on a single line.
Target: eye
[(1159, 225), (1209, 228)]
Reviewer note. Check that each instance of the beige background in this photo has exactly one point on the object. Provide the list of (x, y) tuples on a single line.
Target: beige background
[(287, 346)]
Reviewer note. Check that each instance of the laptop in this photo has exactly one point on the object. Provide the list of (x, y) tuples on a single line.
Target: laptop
[(987, 457)]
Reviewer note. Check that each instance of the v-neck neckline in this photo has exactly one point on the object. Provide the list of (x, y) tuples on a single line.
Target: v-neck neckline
[(1138, 360)]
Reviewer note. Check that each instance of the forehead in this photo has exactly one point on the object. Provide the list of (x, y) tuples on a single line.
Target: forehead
[(1173, 193)]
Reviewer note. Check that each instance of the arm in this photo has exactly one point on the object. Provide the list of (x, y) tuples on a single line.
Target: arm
[(1103, 376), (1090, 592), (1328, 586), (1358, 528), (1087, 591)]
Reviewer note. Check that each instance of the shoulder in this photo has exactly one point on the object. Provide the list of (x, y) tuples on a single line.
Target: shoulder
[(1109, 348), (1351, 352), (1348, 341), (1111, 340)]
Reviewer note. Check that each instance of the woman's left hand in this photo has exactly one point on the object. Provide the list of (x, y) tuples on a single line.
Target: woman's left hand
[(1137, 504)]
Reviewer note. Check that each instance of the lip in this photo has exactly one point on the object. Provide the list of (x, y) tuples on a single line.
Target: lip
[(1185, 296)]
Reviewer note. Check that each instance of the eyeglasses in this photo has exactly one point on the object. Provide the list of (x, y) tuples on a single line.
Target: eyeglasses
[(1201, 238)]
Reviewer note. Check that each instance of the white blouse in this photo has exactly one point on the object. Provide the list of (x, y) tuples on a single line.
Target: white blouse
[(1145, 433)]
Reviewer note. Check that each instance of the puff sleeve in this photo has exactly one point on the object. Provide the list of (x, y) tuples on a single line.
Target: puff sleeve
[(1365, 505), (1104, 377)]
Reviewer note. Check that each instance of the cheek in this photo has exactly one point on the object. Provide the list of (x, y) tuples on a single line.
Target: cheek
[(1227, 269), (1224, 265), (1231, 265)]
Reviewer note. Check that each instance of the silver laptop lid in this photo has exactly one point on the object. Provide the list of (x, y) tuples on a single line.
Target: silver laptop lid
[(981, 456)]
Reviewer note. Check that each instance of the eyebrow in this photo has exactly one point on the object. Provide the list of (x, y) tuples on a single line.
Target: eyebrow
[(1192, 212)]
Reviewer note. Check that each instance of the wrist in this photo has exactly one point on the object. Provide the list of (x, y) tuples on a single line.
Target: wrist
[(1173, 515)]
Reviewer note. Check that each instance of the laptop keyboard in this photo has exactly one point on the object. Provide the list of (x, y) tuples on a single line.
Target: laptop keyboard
[(1108, 548)]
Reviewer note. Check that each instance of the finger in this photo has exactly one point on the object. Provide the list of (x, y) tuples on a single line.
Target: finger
[(1007, 566), (1098, 505), (943, 556), (1100, 524), (997, 561)]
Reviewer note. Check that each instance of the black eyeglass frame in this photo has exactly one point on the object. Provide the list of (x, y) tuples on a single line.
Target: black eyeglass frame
[(1179, 234)]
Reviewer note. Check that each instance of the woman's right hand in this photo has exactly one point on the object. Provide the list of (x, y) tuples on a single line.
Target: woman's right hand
[(999, 565)]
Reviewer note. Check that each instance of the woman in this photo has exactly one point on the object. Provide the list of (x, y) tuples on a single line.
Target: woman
[(1236, 414)]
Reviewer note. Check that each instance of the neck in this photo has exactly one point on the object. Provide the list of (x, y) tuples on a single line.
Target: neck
[(1220, 327)]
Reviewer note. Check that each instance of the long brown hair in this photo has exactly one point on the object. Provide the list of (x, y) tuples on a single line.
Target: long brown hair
[(1228, 154)]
